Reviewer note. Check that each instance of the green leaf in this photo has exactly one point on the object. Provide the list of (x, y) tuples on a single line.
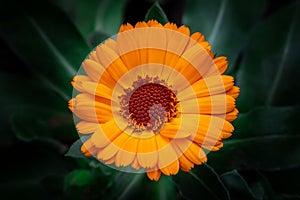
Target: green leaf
[(75, 149), (271, 152), (269, 73), (202, 180), (18, 101), (84, 184), (54, 184), (126, 186), (226, 24), (24, 175), (163, 189), (96, 38), (45, 40), (110, 16), (33, 93), (238, 187), (79, 178), (92, 16), (284, 182), (41, 123), (157, 13), (267, 121)]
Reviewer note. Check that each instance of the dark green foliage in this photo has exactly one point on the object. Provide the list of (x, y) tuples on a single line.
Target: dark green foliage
[(51, 38), (156, 12)]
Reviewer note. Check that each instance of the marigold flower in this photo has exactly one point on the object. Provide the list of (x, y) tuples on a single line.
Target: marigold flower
[(154, 98)]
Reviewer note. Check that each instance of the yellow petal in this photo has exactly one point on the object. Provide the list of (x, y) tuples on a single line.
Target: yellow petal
[(194, 63), (171, 26), (153, 23), (221, 65), (211, 130), (166, 153), (127, 152), (104, 135), (147, 152), (125, 27), (99, 90), (231, 116), (171, 130), (135, 164), (185, 164), (84, 127), (111, 43), (117, 69), (192, 151), (198, 37), (111, 61), (209, 86), (185, 30), (154, 175), (171, 169), (93, 56), (97, 73), (141, 25), (77, 82), (234, 92), (195, 154), (88, 149), (85, 107), (131, 59), (216, 104), (110, 150)]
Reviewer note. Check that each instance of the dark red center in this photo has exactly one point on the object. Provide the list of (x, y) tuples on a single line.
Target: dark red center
[(151, 105)]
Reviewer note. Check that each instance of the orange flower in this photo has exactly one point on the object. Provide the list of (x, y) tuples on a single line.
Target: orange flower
[(154, 98)]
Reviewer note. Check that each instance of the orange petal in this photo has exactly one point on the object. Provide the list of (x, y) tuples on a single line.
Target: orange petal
[(185, 164), (208, 86), (125, 27), (88, 149), (231, 116), (77, 82), (110, 150), (184, 29), (234, 92), (147, 152), (171, 26), (97, 73), (221, 64), (154, 175), (86, 108), (171, 169), (216, 104), (172, 130), (141, 25), (135, 164), (127, 152), (166, 153), (84, 127), (107, 133), (192, 151), (198, 37)]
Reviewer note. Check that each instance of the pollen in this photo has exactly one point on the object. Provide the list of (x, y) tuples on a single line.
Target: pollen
[(151, 105)]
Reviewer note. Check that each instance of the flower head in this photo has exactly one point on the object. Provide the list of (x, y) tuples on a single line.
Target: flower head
[(154, 98)]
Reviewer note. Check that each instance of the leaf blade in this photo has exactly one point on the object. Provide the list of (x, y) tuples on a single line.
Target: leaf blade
[(225, 23), (75, 149), (201, 180), (53, 57), (268, 63), (155, 12)]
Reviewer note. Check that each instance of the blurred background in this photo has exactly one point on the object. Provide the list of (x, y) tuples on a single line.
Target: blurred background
[(42, 44)]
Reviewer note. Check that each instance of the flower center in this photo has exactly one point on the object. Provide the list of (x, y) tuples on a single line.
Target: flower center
[(151, 105), (148, 104)]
